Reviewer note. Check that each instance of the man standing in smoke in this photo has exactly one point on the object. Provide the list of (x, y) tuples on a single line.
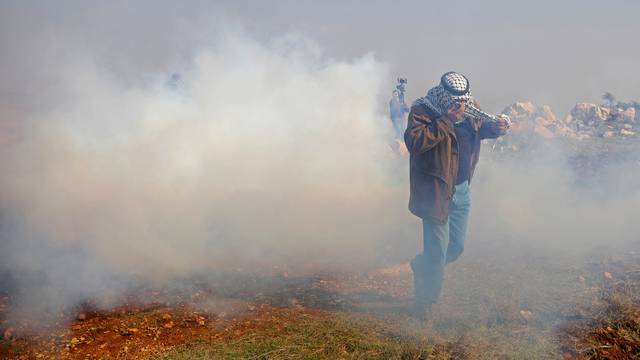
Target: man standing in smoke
[(443, 138), (397, 109)]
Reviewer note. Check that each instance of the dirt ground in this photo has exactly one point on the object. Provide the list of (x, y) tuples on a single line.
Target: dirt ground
[(135, 331), (540, 308)]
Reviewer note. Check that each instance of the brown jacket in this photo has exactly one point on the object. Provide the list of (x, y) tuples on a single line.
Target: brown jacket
[(433, 160)]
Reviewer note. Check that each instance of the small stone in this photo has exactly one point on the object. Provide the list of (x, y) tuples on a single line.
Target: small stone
[(526, 315), (128, 331), (628, 115)]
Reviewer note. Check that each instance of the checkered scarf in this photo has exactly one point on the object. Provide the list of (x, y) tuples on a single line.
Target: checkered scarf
[(454, 88)]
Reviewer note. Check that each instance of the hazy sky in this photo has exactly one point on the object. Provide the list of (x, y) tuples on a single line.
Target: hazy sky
[(555, 52), (558, 52)]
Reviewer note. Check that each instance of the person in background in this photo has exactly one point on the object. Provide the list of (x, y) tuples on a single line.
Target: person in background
[(397, 109), (444, 147)]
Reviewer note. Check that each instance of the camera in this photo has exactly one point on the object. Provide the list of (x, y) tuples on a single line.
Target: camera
[(402, 82)]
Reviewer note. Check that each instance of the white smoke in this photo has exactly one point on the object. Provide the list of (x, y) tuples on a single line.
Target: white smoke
[(265, 153), (539, 200)]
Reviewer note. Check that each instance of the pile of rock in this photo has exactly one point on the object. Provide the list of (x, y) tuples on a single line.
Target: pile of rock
[(596, 121), (585, 121), (532, 120)]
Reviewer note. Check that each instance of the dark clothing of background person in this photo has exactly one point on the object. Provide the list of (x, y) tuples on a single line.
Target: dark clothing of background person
[(397, 109)]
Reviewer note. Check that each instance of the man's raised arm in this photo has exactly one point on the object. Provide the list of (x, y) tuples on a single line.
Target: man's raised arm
[(422, 133), (493, 129)]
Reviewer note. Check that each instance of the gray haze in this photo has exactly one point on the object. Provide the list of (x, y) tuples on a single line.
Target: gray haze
[(275, 150), (553, 52)]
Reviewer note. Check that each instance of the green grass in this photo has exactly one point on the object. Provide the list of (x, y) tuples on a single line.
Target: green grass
[(479, 316), (340, 335), (359, 336)]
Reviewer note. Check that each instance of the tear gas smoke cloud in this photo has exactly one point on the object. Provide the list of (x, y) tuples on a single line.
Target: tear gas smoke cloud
[(539, 200), (268, 153)]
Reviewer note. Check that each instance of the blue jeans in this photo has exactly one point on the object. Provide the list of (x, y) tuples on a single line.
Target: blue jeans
[(398, 126), (443, 243)]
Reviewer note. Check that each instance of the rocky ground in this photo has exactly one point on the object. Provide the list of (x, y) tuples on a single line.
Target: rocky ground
[(498, 304), (609, 327)]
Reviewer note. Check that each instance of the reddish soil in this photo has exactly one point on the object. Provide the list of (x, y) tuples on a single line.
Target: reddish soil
[(141, 331), (610, 327)]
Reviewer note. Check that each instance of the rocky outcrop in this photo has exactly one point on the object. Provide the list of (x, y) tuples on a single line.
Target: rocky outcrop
[(585, 121), (531, 120), (590, 120), (629, 115)]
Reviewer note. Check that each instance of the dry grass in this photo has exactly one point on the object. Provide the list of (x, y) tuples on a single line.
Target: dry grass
[(494, 306), (610, 327)]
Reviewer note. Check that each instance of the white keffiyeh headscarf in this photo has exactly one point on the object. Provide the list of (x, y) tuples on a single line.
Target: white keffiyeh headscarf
[(453, 87)]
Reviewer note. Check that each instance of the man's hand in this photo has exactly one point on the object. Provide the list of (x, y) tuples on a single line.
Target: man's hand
[(503, 123), (456, 113)]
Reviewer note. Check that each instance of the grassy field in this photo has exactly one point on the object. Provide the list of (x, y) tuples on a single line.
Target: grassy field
[(500, 303), (322, 337), (528, 307), (514, 308)]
